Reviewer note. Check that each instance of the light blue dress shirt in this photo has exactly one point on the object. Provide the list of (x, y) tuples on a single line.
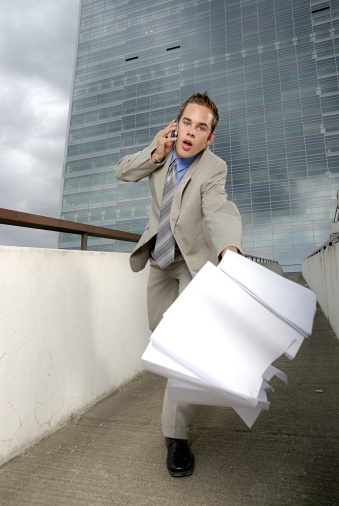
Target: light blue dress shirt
[(182, 165)]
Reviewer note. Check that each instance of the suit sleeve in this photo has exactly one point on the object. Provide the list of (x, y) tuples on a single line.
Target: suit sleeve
[(132, 168), (222, 217)]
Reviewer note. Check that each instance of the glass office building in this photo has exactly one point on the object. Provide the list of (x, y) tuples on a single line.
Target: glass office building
[(272, 69)]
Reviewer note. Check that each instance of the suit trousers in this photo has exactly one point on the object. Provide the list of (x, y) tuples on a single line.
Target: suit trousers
[(164, 286)]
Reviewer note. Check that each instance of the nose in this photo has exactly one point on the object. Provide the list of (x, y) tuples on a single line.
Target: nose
[(191, 131)]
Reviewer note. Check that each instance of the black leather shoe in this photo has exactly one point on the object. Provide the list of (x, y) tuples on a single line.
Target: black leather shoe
[(180, 459)]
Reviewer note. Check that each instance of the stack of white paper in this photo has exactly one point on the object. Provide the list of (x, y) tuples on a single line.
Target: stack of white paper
[(217, 342)]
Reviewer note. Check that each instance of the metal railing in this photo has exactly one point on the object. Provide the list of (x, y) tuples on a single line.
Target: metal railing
[(331, 242), (335, 222), (334, 237), (261, 260), (336, 213), (19, 219)]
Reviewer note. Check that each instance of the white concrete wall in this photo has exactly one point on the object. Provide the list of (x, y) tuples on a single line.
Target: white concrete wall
[(272, 266), (73, 326), (321, 271)]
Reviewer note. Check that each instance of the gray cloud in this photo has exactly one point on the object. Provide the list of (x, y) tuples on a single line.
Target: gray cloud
[(37, 46)]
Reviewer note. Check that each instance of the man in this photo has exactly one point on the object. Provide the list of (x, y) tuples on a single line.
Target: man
[(190, 222)]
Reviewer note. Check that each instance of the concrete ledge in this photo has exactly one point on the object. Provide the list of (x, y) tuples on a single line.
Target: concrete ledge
[(321, 271), (273, 266), (73, 326)]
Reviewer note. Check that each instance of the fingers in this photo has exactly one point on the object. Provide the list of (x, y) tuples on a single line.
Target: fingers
[(230, 248), (170, 128), (165, 141)]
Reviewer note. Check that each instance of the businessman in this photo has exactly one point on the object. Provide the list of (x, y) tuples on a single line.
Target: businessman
[(191, 222)]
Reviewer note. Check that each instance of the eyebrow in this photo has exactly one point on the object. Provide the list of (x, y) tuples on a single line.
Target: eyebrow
[(189, 119)]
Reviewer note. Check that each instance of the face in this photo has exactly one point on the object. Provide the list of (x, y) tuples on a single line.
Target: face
[(194, 130)]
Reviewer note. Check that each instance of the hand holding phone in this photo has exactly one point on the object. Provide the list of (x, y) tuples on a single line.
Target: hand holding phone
[(166, 140), (175, 133)]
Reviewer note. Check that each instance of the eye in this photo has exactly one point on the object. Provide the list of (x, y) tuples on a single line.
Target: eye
[(202, 129)]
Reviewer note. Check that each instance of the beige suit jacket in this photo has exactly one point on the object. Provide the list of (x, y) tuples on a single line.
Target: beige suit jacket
[(203, 221)]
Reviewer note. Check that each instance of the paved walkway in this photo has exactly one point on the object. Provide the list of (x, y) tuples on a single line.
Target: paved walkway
[(115, 454)]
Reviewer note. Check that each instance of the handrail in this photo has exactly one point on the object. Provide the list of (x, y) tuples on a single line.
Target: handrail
[(261, 260), (336, 213), (331, 242), (19, 219)]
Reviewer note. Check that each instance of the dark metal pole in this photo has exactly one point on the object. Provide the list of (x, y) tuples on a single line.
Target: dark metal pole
[(84, 238)]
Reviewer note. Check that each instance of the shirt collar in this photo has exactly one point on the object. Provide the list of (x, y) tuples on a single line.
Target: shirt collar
[(182, 163)]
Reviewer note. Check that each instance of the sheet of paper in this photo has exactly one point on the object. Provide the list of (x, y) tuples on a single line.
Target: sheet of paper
[(249, 416), (182, 391), (158, 361), (218, 330), (217, 342), (273, 371), (291, 301)]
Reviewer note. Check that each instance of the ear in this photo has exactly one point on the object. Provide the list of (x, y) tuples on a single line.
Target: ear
[(210, 139)]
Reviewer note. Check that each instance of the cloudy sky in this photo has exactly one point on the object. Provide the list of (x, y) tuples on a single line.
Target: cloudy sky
[(37, 47)]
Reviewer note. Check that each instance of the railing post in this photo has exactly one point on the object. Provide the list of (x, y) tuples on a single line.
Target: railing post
[(84, 238)]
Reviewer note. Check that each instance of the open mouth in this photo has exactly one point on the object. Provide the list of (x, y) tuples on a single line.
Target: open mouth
[(187, 144)]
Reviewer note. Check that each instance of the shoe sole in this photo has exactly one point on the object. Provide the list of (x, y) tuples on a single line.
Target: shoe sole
[(179, 474)]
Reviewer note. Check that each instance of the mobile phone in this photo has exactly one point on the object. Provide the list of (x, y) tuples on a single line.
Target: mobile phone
[(175, 133)]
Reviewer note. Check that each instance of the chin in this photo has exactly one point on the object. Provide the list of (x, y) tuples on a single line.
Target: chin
[(185, 154)]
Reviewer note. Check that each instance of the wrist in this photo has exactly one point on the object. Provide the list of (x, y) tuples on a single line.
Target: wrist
[(156, 158)]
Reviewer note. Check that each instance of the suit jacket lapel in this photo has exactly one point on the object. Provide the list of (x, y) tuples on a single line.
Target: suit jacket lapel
[(185, 180), (159, 180)]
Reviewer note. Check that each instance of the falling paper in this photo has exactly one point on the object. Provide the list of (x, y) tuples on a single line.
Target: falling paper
[(217, 342)]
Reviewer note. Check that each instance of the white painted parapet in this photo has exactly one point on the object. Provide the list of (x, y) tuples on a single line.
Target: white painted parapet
[(73, 325), (273, 266), (321, 271)]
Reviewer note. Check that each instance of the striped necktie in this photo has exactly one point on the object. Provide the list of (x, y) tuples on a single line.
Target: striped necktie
[(164, 246)]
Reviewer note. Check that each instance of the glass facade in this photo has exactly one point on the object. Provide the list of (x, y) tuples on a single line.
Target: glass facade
[(272, 69)]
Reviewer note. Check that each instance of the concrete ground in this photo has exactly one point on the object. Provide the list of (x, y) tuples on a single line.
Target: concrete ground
[(114, 453)]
